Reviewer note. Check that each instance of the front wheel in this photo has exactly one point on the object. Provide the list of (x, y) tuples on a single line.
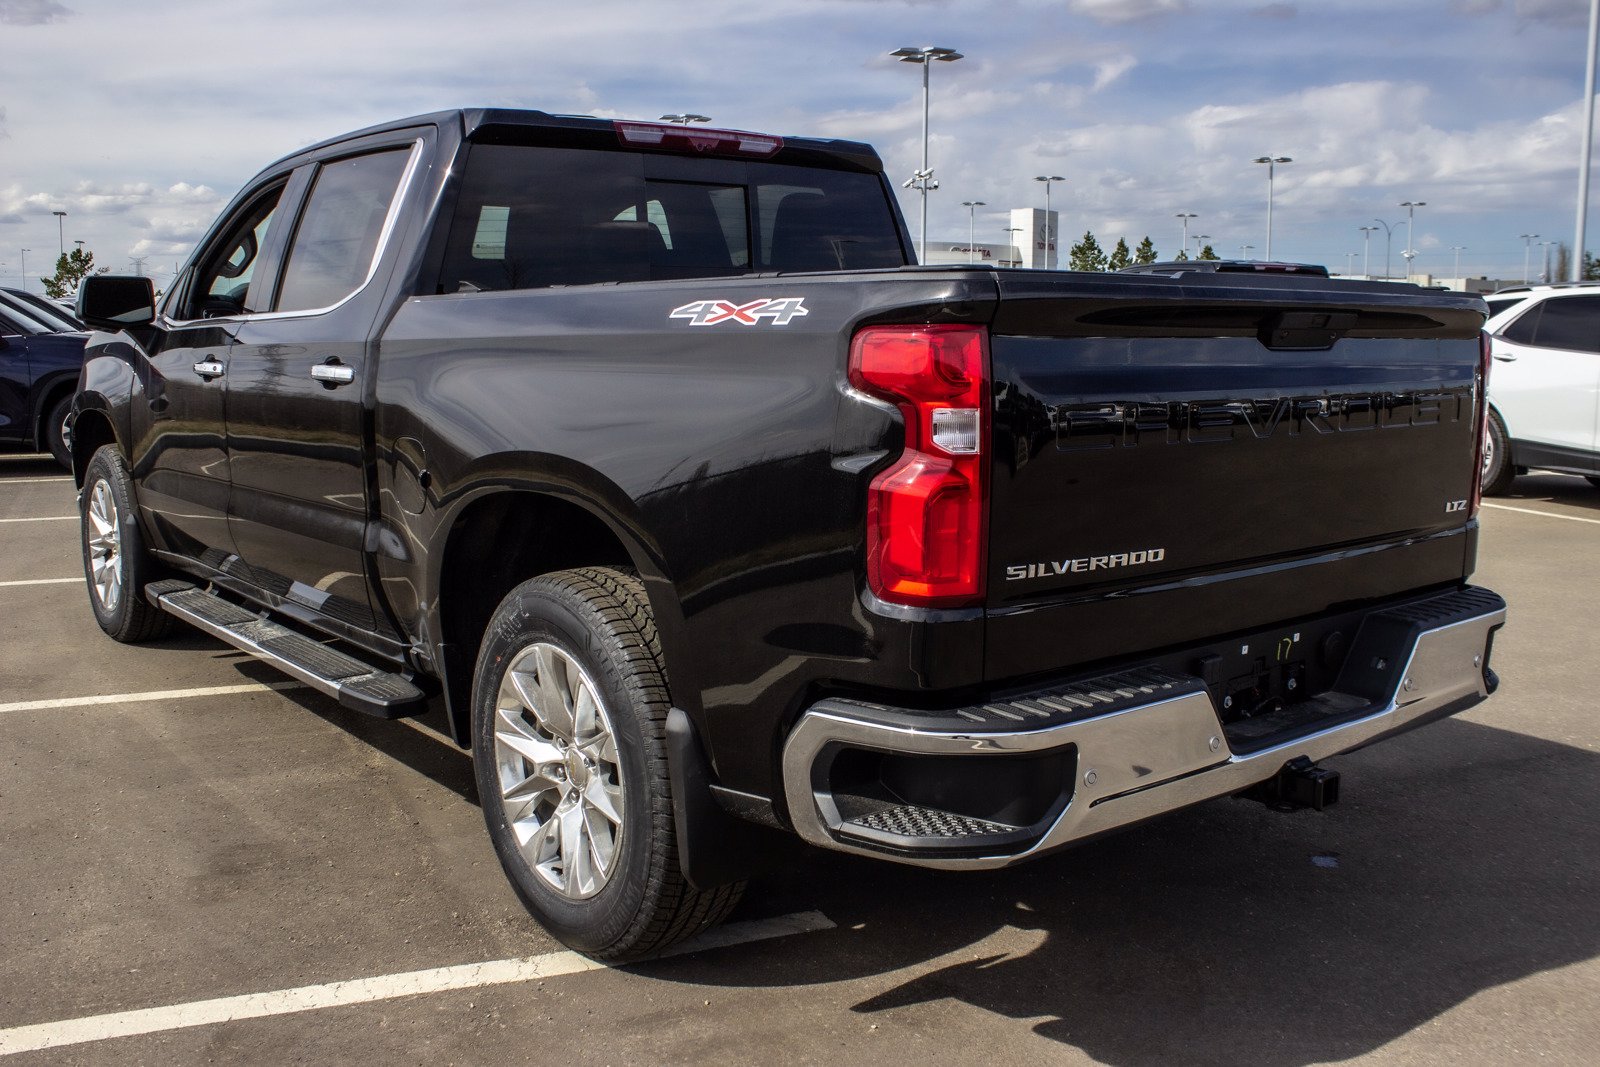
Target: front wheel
[(115, 563), (1498, 472), (569, 709)]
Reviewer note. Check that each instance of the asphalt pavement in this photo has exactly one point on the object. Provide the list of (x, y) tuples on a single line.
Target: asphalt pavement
[(203, 863)]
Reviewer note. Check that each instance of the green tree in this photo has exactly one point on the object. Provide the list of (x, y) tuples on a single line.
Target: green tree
[(1591, 268), (1120, 256), (1145, 253), (1087, 255), (71, 268), (1209, 253), (1182, 256)]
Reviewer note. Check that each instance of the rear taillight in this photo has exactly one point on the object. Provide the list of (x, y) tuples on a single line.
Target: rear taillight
[(1485, 361), (926, 513)]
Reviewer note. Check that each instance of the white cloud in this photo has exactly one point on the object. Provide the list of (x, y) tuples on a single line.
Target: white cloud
[(1118, 11), (32, 12)]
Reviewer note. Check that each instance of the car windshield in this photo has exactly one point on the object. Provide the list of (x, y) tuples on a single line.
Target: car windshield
[(56, 321), (25, 316)]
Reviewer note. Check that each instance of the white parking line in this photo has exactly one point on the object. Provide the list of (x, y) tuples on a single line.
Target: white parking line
[(137, 698), (1546, 514), (32, 481), (46, 518), (40, 581), (368, 990)]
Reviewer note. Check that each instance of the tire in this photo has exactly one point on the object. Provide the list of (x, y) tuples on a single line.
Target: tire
[(579, 805), (115, 563), (1498, 472), (55, 431)]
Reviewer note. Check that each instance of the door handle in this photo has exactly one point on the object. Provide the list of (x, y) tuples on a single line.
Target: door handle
[(1505, 359), (208, 369), (333, 374)]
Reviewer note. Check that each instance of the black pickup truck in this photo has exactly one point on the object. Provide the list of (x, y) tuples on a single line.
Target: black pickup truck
[(649, 456)]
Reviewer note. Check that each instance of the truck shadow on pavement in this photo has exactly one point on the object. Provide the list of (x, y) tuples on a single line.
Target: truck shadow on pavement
[(1551, 489), (1463, 858)]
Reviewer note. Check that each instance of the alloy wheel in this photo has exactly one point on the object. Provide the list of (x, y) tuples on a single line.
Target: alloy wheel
[(105, 547), (558, 771)]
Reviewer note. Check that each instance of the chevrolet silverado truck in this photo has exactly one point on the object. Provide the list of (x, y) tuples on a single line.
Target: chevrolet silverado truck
[(649, 460)]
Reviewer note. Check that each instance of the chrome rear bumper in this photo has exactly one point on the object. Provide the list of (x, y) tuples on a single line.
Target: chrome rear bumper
[(1135, 745)]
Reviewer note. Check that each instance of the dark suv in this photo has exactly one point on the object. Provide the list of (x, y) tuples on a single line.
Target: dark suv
[(40, 357)]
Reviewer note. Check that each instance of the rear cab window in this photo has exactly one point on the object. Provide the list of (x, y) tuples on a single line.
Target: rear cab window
[(531, 216)]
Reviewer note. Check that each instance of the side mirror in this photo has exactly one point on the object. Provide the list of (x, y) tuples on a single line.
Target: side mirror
[(116, 302)]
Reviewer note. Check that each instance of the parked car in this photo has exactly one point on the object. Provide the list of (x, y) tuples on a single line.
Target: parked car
[(649, 454), (40, 357), (1544, 392), (51, 311)]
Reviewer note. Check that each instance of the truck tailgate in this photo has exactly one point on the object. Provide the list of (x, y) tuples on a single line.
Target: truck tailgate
[(1178, 461)]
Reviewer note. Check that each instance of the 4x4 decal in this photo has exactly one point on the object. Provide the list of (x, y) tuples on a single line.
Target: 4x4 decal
[(711, 312)]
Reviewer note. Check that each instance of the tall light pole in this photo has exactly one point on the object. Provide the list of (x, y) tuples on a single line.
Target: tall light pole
[(1272, 167), (1245, 250), (1350, 262), (1200, 240), (1184, 217), (922, 180), (1527, 249), (1011, 242), (1544, 275), (1575, 271), (61, 229), (1458, 249), (1388, 245), (25, 252), (1049, 229), (1366, 249), (1411, 249), (972, 207), (686, 118)]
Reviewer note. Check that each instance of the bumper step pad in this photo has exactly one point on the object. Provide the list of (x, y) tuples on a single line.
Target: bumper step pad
[(353, 683)]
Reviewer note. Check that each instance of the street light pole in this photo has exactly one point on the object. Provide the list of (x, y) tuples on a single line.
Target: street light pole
[(1411, 250), (972, 207), (922, 180), (686, 118), (1366, 250), (1200, 243), (1049, 229), (1527, 249), (1575, 272), (1544, 275), (1388, 246), (1350, 262), (61, 229), (1272, 166), (1011, 242), (25, 252), (1245, 250), (1184, 217)]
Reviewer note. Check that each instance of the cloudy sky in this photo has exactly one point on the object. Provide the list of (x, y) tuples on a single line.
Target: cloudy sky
[(140, 118)]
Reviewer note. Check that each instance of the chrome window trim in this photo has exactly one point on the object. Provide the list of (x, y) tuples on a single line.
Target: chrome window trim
[(390, 221)]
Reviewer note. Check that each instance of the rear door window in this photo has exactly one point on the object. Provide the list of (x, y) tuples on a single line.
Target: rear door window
[(336, 243), (1570, 322)]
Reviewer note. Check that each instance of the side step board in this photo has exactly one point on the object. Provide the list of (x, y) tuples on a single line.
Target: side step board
[(356, 685)]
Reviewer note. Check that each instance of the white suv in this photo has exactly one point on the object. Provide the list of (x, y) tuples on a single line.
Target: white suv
[(1544, 390)]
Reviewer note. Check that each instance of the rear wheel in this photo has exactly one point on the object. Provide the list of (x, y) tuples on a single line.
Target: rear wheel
[(55, 431), (569, 745), (1498, 472), (115, 562)]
